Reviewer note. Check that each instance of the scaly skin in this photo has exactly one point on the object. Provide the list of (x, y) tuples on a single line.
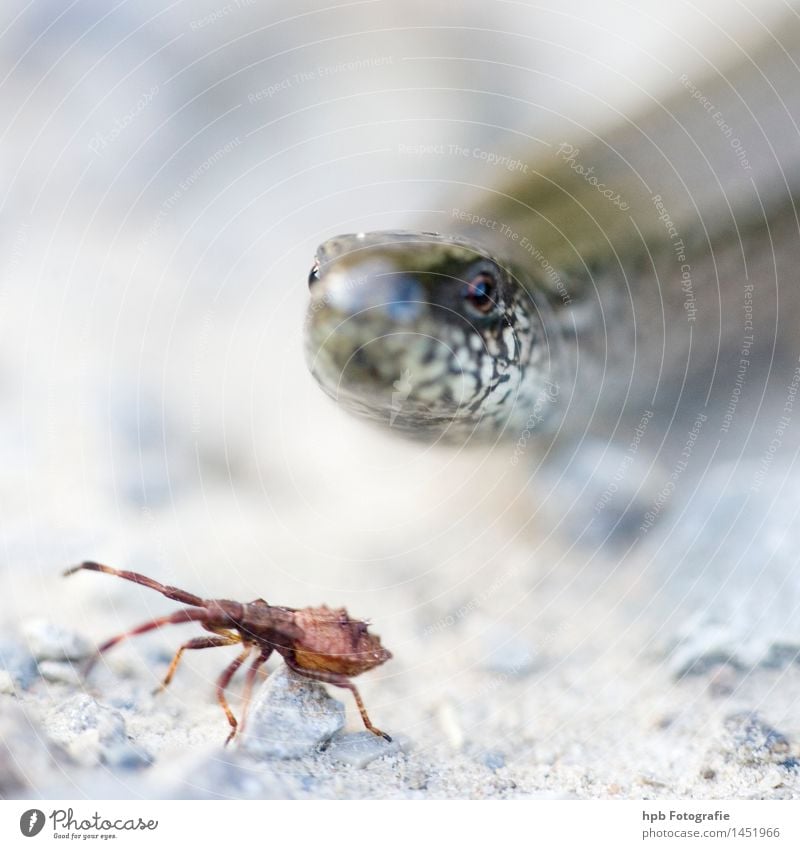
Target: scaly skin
[(628, 272)]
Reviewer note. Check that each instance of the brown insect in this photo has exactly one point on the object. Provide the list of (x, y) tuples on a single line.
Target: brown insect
[(316, 642)]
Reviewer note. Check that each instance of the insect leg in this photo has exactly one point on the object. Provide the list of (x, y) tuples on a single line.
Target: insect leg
[(176, 618), (196, 643), (339, 681), (170, 592), (261, 659), (223, 682)]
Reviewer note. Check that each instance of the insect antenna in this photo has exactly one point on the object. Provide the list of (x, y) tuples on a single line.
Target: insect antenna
[(170, 592)]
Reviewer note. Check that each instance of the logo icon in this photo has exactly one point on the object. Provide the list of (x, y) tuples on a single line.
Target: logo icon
[(31, 822)]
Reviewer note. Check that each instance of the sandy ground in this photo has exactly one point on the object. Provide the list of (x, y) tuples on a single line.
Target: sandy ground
[(155, 414)]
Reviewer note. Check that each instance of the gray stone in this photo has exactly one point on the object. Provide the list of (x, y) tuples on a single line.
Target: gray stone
[(49, 641), (18, 664), (93, 733), (703, 644), (754, 741), (290, 717), (363, 747)]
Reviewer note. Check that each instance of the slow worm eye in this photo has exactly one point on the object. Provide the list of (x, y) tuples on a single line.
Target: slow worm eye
[(480, 293)]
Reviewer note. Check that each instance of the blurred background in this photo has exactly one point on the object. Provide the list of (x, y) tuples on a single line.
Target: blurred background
[(168, 171)]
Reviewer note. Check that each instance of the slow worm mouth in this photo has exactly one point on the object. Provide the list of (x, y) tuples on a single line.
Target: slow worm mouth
[(313, 275), (345, 366)]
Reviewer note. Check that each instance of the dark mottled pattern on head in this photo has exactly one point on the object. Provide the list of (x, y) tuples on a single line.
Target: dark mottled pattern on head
[(428, 334)]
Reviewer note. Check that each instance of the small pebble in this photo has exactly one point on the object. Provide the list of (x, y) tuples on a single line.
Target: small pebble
[(754, 741), (702, 647), (494, 760), (650, 781), (290, 717), (417, 779), (48, 641), (60, 673), (363, 747)]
